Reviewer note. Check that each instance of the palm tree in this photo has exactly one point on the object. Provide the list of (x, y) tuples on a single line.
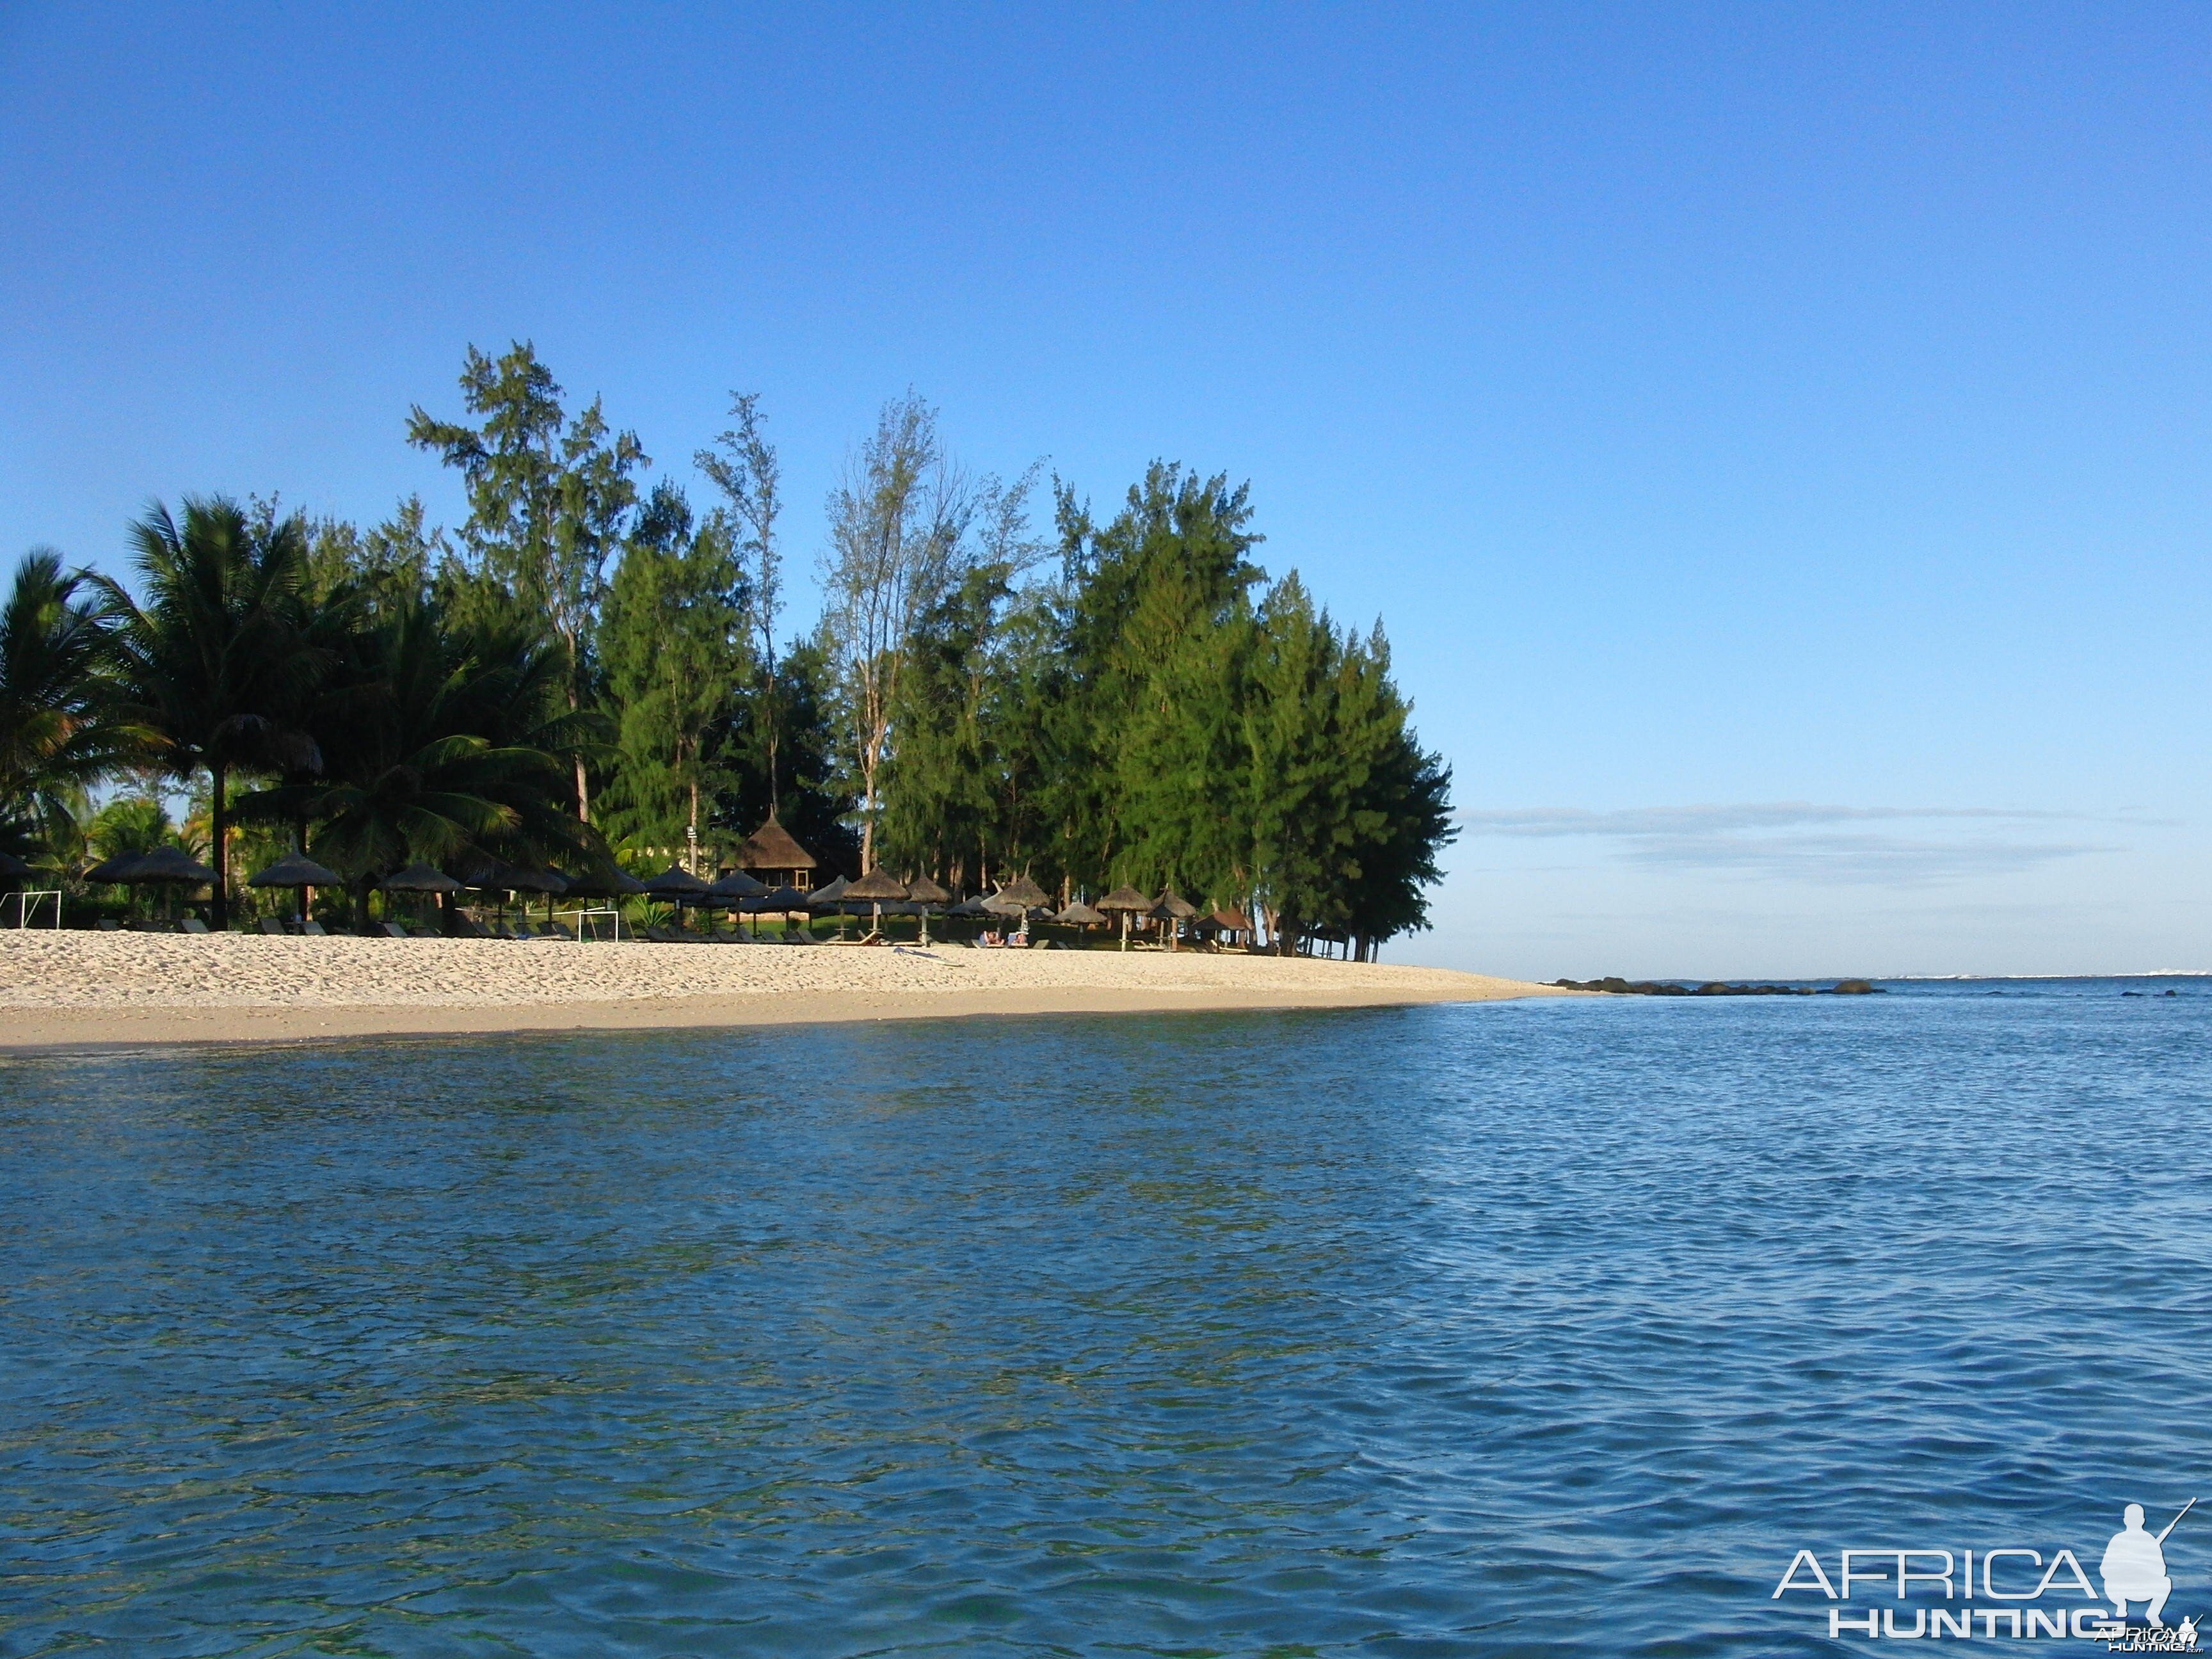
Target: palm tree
[(442, 742), (57, 727), (216, 666)]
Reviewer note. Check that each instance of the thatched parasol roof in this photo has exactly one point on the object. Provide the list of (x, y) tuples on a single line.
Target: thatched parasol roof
[(606, 881), (419, 878), (738, 885), (777, 900), (968, 907), (876, 886), (1079, 914), (1126, 898), (676, 882), (826, 898), (295, 870), (772, 847), (1231, 922), (165, 864), (1023, 890), (491, 876), (922, 890), (111, 869), (1004, 904), (1174, 905)]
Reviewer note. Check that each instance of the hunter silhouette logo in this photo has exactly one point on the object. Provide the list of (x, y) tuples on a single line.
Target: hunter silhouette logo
[(2010, 1591), (2134, 1567)]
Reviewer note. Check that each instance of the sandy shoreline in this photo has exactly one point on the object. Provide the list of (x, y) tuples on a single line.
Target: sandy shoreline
[(83, 990)]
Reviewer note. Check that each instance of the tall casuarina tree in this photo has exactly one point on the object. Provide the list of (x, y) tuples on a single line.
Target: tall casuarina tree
[(743, 465), (213, 660), (549, 502)]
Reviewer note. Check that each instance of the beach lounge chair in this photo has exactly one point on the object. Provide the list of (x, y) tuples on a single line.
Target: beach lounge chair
[(467, 927), (390, 930), (424, 933), (191, 925), (311, 929), (273, 925), (558, 930), (107, 925)]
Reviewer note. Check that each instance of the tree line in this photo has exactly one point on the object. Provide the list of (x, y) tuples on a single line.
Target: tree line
[(585, 666)]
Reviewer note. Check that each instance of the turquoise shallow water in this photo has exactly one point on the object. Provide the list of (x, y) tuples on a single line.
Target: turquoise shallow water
[(1520, 1329)]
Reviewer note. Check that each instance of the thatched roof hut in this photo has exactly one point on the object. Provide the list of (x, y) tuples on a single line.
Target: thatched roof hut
[(771, 852), (1174, 907)]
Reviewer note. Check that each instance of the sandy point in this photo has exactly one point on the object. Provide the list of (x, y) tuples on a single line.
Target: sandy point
[(63, 989)]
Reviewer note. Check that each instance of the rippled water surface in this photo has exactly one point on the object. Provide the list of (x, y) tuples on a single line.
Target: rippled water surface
[(1507, 1329)]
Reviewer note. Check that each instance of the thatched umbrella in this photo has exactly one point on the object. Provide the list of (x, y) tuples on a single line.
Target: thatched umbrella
[(530, 878), (171, 865), (874, 888), (419, 878), (784, 902), (677, 886), (1226, 920), (609, 882), (927, 895), (1026, 893), (830, 898), (734, 889), (738, 885), (1078, 915), (1174, 909), (299, 871), (603, 881), (164, 867), (295, 870), (488, 875), (108, 873), (1130, 902)]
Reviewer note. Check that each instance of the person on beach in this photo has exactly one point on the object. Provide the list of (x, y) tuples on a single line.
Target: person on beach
[(2134, 1568)]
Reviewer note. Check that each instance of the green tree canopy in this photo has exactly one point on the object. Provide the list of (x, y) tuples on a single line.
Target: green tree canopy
[(215, 667)]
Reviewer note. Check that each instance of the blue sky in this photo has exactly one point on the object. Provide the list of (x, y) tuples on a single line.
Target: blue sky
[(1775, 438)]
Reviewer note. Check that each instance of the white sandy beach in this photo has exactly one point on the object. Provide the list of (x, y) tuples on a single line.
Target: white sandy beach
[(74, 989)]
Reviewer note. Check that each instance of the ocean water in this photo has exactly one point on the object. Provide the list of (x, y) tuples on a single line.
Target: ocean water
[(1541, 1328)]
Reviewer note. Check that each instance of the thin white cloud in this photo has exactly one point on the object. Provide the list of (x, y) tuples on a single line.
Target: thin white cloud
[(1801, 841)]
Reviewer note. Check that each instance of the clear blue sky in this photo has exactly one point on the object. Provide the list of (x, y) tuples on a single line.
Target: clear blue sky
[(1775, 437)]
